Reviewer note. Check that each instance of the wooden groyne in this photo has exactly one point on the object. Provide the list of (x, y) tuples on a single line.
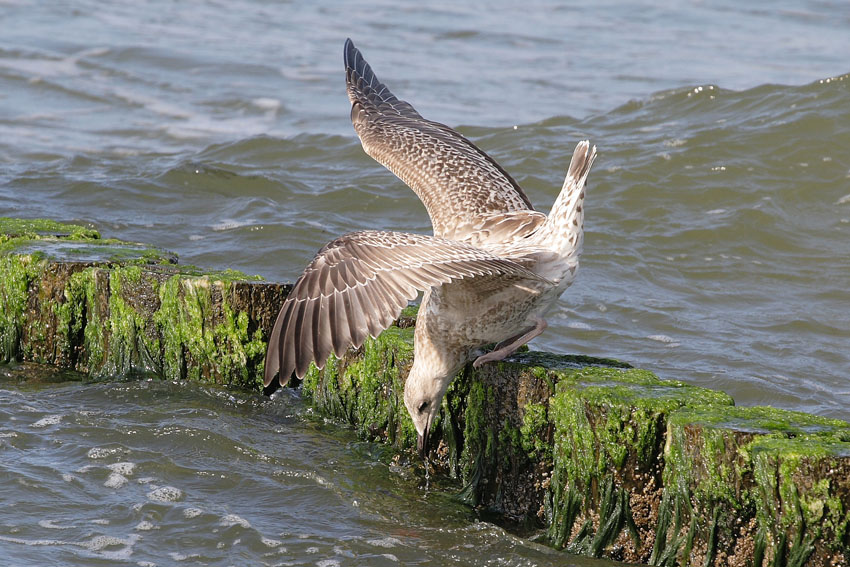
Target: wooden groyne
[(605, 459)]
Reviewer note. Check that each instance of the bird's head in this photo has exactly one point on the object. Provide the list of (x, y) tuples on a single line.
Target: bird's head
[(423, 395)]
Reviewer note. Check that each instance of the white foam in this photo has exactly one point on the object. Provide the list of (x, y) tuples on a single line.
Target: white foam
[(670, 341), (122, 554), (386, 542), (192, 512), (49, 420), (155, 105), (230, 224), (328, 563), (103, 452), (97, 544), (165, 494), (203, 126), (51, 525), (273, 543), (32, 542), (102, 541), (39, 68), (145, 526), (124, 468), (578, 325), (115, 480), (266, 103), (234, 520), (180, 557)]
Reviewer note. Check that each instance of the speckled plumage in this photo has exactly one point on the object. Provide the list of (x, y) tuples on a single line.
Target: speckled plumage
[(490, 272)]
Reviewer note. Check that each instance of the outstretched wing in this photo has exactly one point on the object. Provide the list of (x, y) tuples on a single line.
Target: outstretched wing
[(358, 284), (454, 179)]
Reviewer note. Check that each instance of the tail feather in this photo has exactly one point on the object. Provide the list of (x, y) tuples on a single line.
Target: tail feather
[(567, 216), (567, 211), (580, 164)]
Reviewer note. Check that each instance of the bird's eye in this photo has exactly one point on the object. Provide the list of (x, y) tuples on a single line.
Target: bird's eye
[(422, 407)]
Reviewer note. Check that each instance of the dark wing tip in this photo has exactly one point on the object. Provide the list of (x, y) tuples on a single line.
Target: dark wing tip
[(358, 73), (356, 67), (272, 362), (349, 52), (275, 351), (366, 90)]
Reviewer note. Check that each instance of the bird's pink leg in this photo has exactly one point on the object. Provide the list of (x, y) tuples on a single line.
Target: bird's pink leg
[(503, 350)]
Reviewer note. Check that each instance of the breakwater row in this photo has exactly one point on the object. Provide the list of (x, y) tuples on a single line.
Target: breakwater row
[(609, 460)]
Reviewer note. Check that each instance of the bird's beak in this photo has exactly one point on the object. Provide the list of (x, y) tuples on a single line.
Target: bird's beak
[(422, 444)]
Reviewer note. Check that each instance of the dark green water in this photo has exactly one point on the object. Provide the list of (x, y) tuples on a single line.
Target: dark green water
[(717, 218)]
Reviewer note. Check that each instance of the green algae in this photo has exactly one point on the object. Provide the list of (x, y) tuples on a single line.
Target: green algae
[(203, 339), (763, 420), (127, 348), (610, 427), (16, 274), (91, 251), (176, 326), (228, 275), (535, 419), (100, 326), (756, 463), (605, 417), (40, 228), (540, 361), (122, 315), (70, 314), (74, 243), (787, 497), (479, 441), (378, 387), (366, 388)]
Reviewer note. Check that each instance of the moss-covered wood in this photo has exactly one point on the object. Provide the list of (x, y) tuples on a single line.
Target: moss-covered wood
[(601, 459), (109, 308), (755, 486)]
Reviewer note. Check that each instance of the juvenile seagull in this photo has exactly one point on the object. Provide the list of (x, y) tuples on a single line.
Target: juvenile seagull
[(489, 274)]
